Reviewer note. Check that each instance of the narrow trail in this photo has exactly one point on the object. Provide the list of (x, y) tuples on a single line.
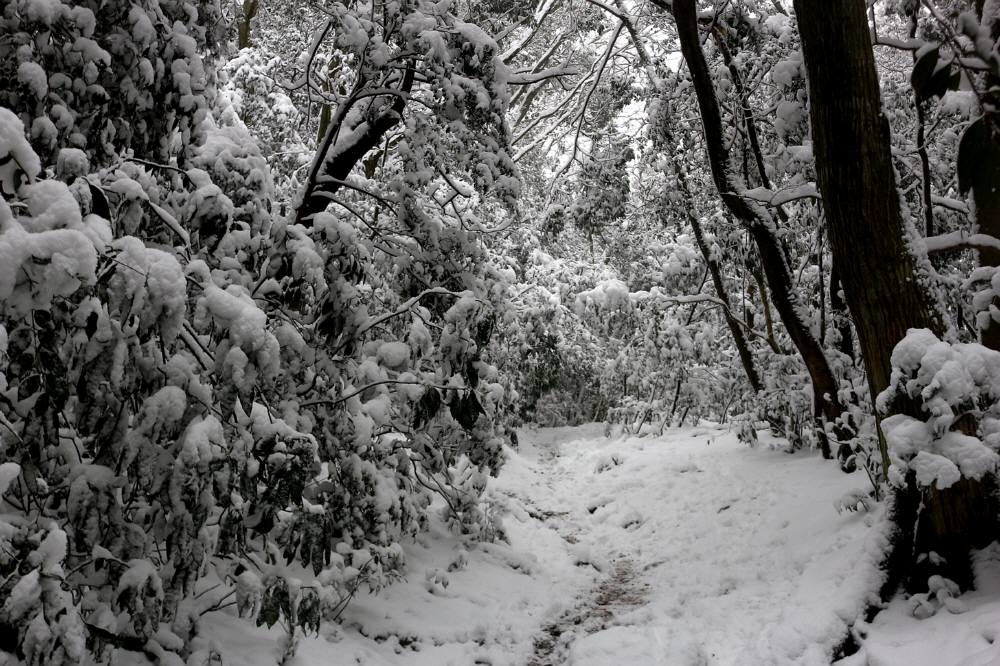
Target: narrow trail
[(595, 609), (697, 549)]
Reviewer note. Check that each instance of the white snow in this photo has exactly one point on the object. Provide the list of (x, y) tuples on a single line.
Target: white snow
[(234, 310), (32, 76), (933, 469), (23, 597), (25, 281), (22, 160), (393, 354), (967, 634), (72, 162), (781, 197), (786, 72), (137, 575), (152, 284), (948, 378), (957, 239), (609, 294), (8, 472), (142, 28), (43, 11), (959, 102)]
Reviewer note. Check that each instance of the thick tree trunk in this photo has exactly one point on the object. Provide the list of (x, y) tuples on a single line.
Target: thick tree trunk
[(755, 219), (884, 284), (986, 195), (879, 273)]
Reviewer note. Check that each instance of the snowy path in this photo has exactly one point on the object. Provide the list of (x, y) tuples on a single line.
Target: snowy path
[(735, 552), (678, 550)]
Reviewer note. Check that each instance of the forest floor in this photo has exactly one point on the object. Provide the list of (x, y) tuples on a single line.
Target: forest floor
[(681, 549)]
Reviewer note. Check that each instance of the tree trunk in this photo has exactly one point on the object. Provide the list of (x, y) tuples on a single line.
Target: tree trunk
[(885, 285), (925, 162), (757, 221), (245, 23), (986, 192), (765, 305), (881, 278), (987, 212)]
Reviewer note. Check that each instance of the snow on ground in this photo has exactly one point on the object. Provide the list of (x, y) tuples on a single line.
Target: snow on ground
[(683, 549), (969, 638), (742, 555)]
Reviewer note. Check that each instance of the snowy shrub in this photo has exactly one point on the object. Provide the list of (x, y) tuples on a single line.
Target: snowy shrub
[(194, 392), (108, 76), (787, 405), (603, 181), (958, 388), (550, 354), (608, 461), (270, 115), (854, 500)]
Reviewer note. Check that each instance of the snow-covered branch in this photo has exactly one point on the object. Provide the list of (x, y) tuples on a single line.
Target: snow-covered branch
[(782, 196), (960, 240), (383, 382), (951, 204)]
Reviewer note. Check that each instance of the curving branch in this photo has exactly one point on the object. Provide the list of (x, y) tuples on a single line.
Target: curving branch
[(343, 146)]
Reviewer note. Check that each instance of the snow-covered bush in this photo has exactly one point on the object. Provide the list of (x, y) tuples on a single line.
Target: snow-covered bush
[(105, 77), (958, 388), (270, 115), (194, 391), (554, 356), (786, 405)]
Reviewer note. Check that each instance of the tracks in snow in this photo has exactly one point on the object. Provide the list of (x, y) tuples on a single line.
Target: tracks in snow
[(692, 549), (595, 609), (619, 591)]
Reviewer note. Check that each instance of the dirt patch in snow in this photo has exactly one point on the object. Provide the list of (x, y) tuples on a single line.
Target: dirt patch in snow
[(617, 592)]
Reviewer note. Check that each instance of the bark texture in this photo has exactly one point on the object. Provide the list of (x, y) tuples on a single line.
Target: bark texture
[(986, 189), (245, 22), (876, 268), (987, 200), (881, 277)]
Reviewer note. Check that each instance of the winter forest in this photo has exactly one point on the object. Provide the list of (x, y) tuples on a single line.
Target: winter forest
[(500, 332)]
